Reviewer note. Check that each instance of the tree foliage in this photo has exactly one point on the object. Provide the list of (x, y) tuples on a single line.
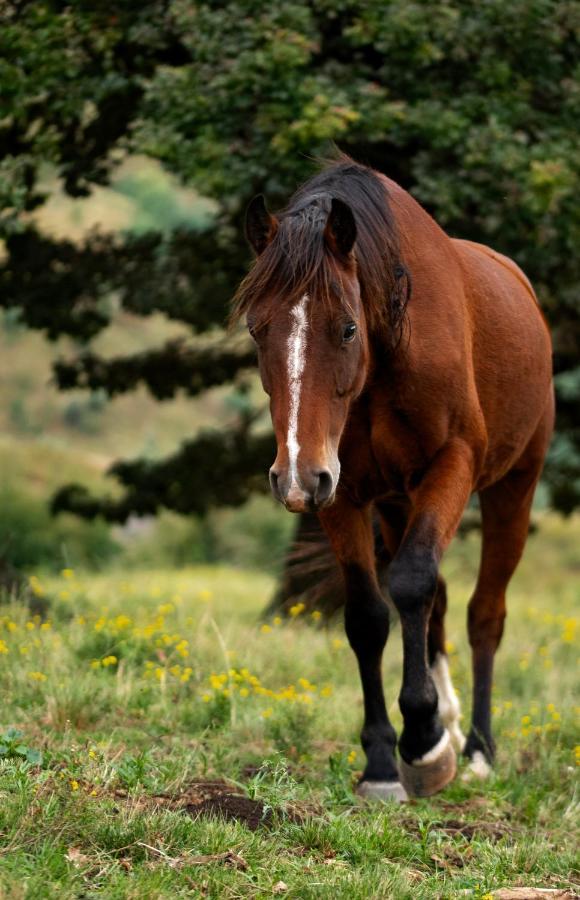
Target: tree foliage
[(473, 108)]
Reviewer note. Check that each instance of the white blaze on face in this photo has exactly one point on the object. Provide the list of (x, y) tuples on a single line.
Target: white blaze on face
[(296, 360)]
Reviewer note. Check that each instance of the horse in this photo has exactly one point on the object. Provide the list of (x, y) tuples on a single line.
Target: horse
[(406, 370)]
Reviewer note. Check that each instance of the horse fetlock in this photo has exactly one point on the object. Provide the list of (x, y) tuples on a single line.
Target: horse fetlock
[(380, 754), (484, 745), (478, 767), (420, 737)]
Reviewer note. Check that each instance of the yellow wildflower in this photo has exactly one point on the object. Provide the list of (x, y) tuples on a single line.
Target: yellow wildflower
[(265, 629), (297, 609), (35, 586)]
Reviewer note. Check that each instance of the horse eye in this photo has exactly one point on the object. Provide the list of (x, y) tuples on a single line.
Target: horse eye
[(348, 333)]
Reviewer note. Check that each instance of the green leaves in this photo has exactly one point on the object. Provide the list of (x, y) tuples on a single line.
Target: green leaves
[(13, 747)]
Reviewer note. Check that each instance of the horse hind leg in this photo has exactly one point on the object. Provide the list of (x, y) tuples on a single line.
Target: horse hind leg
[(505, 514), (448, 701)]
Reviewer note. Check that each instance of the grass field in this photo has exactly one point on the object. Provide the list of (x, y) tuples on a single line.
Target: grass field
[(148, 700)]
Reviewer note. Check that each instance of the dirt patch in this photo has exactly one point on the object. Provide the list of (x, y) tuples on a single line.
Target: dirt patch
[(233, 808), (218, 799)]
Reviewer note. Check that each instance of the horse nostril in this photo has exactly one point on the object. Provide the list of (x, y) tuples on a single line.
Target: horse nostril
[(274, 484), (324, 488)]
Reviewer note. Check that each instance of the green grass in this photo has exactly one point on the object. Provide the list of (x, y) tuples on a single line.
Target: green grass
[(143, 683)]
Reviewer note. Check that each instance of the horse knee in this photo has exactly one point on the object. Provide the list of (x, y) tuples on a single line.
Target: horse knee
[(367, 624), (412, 579), (366, 615)]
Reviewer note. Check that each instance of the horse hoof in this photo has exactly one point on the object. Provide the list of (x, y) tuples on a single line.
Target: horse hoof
[(432, 772), (382, 791), (478, 767)]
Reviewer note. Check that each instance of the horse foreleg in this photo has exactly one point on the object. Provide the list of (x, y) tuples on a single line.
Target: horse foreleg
[(427, 757), (366, 617)]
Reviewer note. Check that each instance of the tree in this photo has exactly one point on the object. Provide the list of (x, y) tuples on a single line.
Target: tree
[(472, 108)]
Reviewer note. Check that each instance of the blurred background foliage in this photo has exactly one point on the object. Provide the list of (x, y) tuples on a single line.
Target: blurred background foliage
[(131, 139)]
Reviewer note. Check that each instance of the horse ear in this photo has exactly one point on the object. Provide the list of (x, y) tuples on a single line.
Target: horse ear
[(260, 225), (340, 230)]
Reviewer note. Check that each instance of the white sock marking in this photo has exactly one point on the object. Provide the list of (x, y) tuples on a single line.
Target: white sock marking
[(449, 708), (296, 360), (434, 752), (478, 767)]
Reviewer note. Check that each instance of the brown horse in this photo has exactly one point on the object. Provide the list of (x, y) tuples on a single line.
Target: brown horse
[(406, 370)]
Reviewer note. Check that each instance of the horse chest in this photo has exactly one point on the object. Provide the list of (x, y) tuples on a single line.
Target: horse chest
[(381, 455)]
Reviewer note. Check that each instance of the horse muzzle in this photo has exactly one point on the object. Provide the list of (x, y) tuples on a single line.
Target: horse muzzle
[(312, 490)]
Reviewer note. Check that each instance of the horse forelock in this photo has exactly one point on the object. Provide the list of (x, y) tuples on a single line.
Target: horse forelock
[(298, 260)]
